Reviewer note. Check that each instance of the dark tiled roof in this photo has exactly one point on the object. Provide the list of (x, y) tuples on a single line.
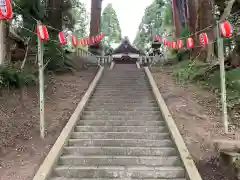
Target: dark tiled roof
[(126, 47)]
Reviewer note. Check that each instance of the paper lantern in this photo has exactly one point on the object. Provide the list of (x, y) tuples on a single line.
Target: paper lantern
[(42, 32), (165, 42), (93, 40), (179, 44), (203, 39), (190, 43), (74, 41), (82, 42), (174, 45), (86, 41), (6, 10), (169, 44), (226, 29), (62, 38)]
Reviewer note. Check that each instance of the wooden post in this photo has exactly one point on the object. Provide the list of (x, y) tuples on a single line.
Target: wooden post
[(222, 77), (2, 45), (41, 87)]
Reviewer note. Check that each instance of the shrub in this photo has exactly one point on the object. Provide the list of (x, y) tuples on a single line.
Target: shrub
[(10, 77)]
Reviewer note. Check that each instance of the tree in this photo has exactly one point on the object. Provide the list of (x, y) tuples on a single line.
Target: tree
[(110, 26), (81, 20), (151, 21)]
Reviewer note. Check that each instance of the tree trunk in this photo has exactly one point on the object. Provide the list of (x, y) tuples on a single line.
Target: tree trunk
[(55, 13), (205, 19)]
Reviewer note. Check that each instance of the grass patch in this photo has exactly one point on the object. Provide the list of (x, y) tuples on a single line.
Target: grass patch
[(187, 71)]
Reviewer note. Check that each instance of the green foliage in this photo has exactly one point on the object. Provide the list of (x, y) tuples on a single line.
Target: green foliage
[(167, 17), (56, 58), (151, 21), (81, 19), (187, 71), (111, 27), (10, 77)]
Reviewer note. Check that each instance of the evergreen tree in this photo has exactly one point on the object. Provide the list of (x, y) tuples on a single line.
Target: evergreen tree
[(110, 26)]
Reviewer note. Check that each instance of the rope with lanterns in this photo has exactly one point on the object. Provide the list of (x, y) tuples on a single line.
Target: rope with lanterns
[(43, 35), (225, 31), (6, 13)]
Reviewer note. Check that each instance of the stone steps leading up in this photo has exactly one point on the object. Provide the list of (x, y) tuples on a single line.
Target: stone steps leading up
[(120, 134)]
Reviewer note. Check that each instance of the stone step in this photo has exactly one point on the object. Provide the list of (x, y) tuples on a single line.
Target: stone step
[(119, 172), (118, 105), (119, 117), (137, 122), (142, 129), (126, 101), (121, 113), (76, 160), (127, 85), (122, 98), (121, 142), (121, 151), (123, 85), (123, 108), (119, 135), (130, 88), (123, 94), (63, 178)]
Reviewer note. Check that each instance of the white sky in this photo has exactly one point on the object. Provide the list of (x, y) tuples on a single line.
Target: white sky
[(129, 12)]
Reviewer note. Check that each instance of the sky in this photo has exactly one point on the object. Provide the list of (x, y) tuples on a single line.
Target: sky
[(129, 12)]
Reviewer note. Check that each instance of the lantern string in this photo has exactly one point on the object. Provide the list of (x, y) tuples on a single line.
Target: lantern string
[(208, 27), (29, 15)]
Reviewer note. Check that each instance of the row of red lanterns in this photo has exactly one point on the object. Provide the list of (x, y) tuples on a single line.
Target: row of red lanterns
[(43, 35), (225, 31), (83, 41), (6, 13)]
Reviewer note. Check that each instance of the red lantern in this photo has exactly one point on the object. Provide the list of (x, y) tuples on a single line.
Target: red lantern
[(86, 41), (93, 40), (169, 44), (62, 38), (82, 42), (174, 45), (42, 32), (190, 43), (226, 29), (165, 42), (74, 41), (203, 39), (179, 44), (5, 10)]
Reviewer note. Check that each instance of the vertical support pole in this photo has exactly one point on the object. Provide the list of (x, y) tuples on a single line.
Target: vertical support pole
[(2, 48), (41, 87), (223, 81)]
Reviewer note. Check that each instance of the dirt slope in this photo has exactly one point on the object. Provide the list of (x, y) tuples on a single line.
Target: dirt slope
[(199, 121), (21, 149)]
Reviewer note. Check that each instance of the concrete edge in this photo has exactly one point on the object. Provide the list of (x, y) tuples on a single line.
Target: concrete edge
[(46, 168), (112, 65), (138, 65), (188, 162)]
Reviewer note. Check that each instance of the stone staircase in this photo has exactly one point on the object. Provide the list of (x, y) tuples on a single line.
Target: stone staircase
[(121, 134)]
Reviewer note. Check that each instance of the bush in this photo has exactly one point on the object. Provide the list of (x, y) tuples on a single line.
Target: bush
[(187, 71), (10, 77)]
